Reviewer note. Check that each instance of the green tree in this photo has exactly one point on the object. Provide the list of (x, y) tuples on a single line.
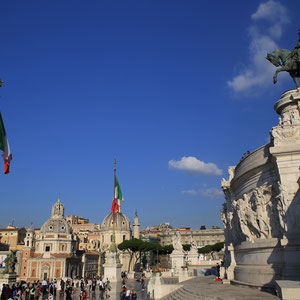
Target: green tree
[(186, 247), (205, 249), (134, 247), (218, 246), (202, 227)]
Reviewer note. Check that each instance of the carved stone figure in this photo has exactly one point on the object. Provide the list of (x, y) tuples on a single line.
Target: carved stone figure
[(176, 240), (261, 212), (194, 249), (288, 60), (243, 219), (10, 262)]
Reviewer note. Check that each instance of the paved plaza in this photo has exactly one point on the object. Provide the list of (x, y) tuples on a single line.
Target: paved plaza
[(205, 288), (202, 287)]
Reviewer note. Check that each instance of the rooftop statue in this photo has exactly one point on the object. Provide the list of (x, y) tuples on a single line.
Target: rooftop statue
[(288, 60)]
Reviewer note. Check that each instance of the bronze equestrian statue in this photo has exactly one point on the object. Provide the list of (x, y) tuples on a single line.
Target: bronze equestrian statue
[(288, 60)]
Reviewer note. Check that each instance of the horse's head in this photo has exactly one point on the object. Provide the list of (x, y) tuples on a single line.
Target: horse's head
[(273, 58)]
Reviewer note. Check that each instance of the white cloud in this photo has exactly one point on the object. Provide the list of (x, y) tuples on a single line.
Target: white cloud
[(272, 11), (212, 193), (193, 166), (259, 72)]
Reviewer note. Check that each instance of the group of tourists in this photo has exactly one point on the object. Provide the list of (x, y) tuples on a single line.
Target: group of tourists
[(31, 291), (126, 292), (51, 290)]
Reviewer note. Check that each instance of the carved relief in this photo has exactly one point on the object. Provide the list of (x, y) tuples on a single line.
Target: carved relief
[(283, 135), (260, 214)]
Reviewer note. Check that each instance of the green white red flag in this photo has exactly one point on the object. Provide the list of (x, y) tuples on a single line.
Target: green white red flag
[(4, 147), (118, 197)]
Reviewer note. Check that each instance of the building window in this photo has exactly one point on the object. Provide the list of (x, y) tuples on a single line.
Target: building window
[(47, 248), (124, 237), (24, 268), (111, 238), (27, 243)]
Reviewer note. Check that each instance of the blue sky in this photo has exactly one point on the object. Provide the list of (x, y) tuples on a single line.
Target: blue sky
[(176, 91)]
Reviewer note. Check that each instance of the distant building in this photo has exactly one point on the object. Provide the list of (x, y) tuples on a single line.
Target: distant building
[(13, 237), (163, 234), (88, 234), (200, 237)]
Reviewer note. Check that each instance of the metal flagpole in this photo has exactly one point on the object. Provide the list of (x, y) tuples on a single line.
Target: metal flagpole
[(113, 246)]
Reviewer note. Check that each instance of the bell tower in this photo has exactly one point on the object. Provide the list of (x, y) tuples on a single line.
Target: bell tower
[(58, 210), (136, 226)]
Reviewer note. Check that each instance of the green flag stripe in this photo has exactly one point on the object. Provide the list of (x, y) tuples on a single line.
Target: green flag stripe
[(120, 197), (2, 135)]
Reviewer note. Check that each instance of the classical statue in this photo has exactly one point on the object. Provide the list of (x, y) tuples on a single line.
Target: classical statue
[(194, 249), (10, 262), (176, 241), (288, 60)]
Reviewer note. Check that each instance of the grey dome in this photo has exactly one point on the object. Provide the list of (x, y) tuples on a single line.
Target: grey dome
[(56, 223), (121, 222)]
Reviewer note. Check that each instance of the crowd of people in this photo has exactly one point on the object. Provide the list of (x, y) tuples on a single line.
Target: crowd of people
[(51, 290)]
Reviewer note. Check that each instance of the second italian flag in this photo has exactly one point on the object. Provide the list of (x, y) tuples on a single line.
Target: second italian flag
[(117, 197), (4, 147)]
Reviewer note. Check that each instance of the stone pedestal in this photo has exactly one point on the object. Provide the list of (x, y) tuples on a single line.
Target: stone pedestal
[(177, 260), (7, 279), (157, 290), (193, 259), (112, 267), (262, 209), (183, 275), (288, 290)]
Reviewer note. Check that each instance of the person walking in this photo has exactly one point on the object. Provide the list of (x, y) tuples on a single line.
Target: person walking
[(133, 295), (123, 292), (218, 270), (62, 286), (69, 292), (102, 289), (3, 292), (127, 295), (107, 288), (37, 293)]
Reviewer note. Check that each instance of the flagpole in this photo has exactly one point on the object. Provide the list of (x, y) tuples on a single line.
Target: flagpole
[(113, 246)]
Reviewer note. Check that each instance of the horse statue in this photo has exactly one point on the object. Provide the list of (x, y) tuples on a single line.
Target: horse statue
[(288, 60)]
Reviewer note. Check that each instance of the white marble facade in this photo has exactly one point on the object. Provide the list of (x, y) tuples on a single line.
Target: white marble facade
[(261, 214)]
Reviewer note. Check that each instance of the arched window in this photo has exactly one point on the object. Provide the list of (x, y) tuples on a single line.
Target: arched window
[(124, 237), (27, 243)]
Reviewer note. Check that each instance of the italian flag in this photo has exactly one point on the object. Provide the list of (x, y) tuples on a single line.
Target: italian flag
[(4, 147), (116, 204)]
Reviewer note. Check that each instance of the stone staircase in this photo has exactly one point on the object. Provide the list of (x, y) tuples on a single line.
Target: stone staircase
[(204, 288)]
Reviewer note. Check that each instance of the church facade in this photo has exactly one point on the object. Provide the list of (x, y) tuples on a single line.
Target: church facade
[(52, 253)]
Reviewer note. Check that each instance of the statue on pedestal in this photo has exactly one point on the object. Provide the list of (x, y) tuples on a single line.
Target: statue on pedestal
[(176, 240), (10, 262), (288, 60)]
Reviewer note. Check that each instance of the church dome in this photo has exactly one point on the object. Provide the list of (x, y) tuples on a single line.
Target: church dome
[(57, 222), (121, 222)]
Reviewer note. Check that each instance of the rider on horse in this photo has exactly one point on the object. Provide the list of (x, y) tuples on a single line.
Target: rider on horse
[(296, 52)]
